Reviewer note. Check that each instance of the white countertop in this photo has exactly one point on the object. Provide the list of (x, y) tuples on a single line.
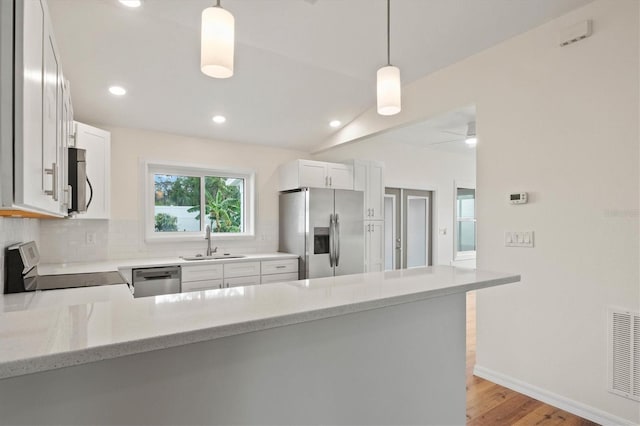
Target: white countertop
[(114, 265), (49, 338)]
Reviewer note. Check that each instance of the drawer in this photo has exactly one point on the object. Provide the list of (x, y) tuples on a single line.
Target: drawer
[(279, 278), (242, 281), (241, 269), (279, 266), (201, 272), (201, 285)]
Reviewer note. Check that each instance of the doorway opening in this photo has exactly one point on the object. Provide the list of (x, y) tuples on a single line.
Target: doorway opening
[(408, 228)]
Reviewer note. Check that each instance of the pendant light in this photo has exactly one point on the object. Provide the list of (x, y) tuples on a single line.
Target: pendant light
[(217, 42), (388, 79)]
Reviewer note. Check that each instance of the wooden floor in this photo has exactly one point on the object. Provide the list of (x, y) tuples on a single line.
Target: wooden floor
[(489, 404)]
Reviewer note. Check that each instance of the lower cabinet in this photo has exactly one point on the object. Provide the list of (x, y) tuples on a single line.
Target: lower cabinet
[(201, 285), (374, 245), (241, 281), (278, 278), (237, 274), (201, 277)]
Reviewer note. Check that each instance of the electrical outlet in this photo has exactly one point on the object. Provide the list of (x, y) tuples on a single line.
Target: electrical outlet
[(90, 238)]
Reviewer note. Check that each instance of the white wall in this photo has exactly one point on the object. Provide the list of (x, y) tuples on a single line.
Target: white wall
[(409, 167), (562, 124), (12, 231), (121, 237)]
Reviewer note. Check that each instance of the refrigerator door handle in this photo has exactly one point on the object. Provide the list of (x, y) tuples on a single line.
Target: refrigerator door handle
[(331, 239), (337, 231)]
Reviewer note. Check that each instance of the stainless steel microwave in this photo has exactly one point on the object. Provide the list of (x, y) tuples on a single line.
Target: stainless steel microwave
[(78, 181)]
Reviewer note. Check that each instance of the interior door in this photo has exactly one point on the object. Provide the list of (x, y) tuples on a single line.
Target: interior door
[(417, 228), (392, 229), (408, 228)]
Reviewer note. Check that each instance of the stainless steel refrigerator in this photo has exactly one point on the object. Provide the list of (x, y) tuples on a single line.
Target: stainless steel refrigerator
[(325, 228)]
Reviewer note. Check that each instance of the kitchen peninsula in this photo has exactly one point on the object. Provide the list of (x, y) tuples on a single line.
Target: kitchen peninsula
[(383, 348)]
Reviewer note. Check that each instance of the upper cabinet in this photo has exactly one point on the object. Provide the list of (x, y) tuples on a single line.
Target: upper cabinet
[(369, 177), (35, 112), (97, 143), (315, 174)]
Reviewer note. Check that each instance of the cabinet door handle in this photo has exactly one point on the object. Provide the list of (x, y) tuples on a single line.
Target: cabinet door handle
[(280, 267), (373, 211), (53, 171), (330, 180)]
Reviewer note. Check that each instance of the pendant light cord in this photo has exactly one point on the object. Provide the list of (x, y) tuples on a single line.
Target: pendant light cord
[(388, 32)]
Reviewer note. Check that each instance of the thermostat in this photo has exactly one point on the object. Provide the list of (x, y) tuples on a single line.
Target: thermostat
[(518, 198)]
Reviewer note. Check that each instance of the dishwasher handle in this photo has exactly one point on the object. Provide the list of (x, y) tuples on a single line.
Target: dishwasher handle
[(154, 277)]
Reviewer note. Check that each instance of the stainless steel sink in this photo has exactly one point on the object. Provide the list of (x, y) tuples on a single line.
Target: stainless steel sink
[(213, 257)]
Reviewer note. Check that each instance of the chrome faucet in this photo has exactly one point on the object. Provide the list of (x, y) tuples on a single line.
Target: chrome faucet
[(208, 238)]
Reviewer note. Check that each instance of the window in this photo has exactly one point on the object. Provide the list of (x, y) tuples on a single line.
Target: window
[(465, 232), (182, 200)]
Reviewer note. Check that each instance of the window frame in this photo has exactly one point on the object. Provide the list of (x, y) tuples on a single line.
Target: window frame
[(149, 168), (468, 254)]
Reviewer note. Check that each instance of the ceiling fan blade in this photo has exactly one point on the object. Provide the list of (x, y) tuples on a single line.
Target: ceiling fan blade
[(451, 132)]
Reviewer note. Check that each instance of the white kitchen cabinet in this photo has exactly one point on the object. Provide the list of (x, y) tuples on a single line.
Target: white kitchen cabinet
[(201, 277), (374, 245), (279, 278), (279, 266), (315, 174), (66, 132), (241, 269), (237, 274), (369, 177), (33, 156), (277, 271), (201, 272), (97, 143), (242, 281), (201, 285)]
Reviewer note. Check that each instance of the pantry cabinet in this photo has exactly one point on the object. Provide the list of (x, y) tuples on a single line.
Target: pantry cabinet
[(374, 245), (369, 177)]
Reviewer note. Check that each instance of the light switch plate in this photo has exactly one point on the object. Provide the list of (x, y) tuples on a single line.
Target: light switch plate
[(518, 239)]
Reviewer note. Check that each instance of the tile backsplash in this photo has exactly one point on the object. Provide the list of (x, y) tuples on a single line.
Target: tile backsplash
[(87, 240), (14, 230)]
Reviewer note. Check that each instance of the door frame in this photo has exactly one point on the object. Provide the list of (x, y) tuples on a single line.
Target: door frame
[(433, 241)]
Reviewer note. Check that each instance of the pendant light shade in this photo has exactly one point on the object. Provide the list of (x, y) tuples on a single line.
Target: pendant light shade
[(389, 90), (217, 42)]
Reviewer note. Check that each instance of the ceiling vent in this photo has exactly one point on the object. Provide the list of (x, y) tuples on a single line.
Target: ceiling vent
[(624, 354)]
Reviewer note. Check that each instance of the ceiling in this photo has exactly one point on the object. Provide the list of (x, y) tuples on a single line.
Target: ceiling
[(445, 132), (298, 63)]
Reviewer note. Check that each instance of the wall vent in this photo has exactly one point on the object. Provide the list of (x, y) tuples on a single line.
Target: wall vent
[(624, 353)]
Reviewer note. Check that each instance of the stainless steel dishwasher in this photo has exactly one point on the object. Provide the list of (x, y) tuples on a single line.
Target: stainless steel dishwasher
[(156, 281)]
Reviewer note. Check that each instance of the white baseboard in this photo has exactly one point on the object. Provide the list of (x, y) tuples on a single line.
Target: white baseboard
[(558, 401)]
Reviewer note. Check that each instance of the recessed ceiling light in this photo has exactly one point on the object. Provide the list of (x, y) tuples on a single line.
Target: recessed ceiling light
[(335, 123), (117, 90), (131, 3), (219, 119)]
